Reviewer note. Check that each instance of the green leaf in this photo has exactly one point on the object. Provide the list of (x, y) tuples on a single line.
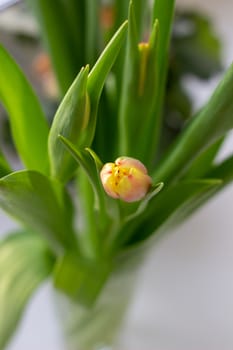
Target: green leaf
[(144, 203), (161, 208), (62, 25), (4, 166), (94, 204), (163, 11), (25, 262), (223, 171), (39, 203), (129, 88), (98, 163), (204, 162), (140, 9), (80, 278), (208, 126), (28, 124), (76, 116), (121, 13), (99, 72), (90, 237), (98, 75), (71, 121), (92, 29), (88, 163), (139, 84), (98, 211)]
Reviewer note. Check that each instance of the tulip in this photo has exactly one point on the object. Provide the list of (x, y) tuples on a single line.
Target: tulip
[(126, 179)]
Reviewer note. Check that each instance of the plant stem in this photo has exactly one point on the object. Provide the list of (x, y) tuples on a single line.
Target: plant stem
[(163, 11)]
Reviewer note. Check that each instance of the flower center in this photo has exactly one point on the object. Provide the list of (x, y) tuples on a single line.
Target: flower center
[(119, 173)]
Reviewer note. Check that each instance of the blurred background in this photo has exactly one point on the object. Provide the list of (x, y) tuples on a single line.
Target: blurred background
[(188, 304)]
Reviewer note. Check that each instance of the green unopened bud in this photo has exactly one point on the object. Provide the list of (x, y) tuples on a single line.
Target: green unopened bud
[(144, 49)]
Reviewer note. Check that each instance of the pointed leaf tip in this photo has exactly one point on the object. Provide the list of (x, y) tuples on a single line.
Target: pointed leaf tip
[(71, 120), (98, 74)]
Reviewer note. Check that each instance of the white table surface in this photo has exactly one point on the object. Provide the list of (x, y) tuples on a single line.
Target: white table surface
[(185, 298)]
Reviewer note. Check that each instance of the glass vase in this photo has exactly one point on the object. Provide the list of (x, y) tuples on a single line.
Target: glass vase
[(98, 327)]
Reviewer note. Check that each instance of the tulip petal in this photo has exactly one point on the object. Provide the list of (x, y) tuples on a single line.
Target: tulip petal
[(126, 179)]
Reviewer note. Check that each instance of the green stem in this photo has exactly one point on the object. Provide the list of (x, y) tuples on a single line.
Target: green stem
[(90, 236), (58, 22), (92, 30), (163, 11)]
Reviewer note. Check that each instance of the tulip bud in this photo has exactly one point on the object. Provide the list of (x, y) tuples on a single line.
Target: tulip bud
[(126, 179)]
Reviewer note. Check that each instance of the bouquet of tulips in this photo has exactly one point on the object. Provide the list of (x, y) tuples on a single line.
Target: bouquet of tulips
[(104, 178)]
